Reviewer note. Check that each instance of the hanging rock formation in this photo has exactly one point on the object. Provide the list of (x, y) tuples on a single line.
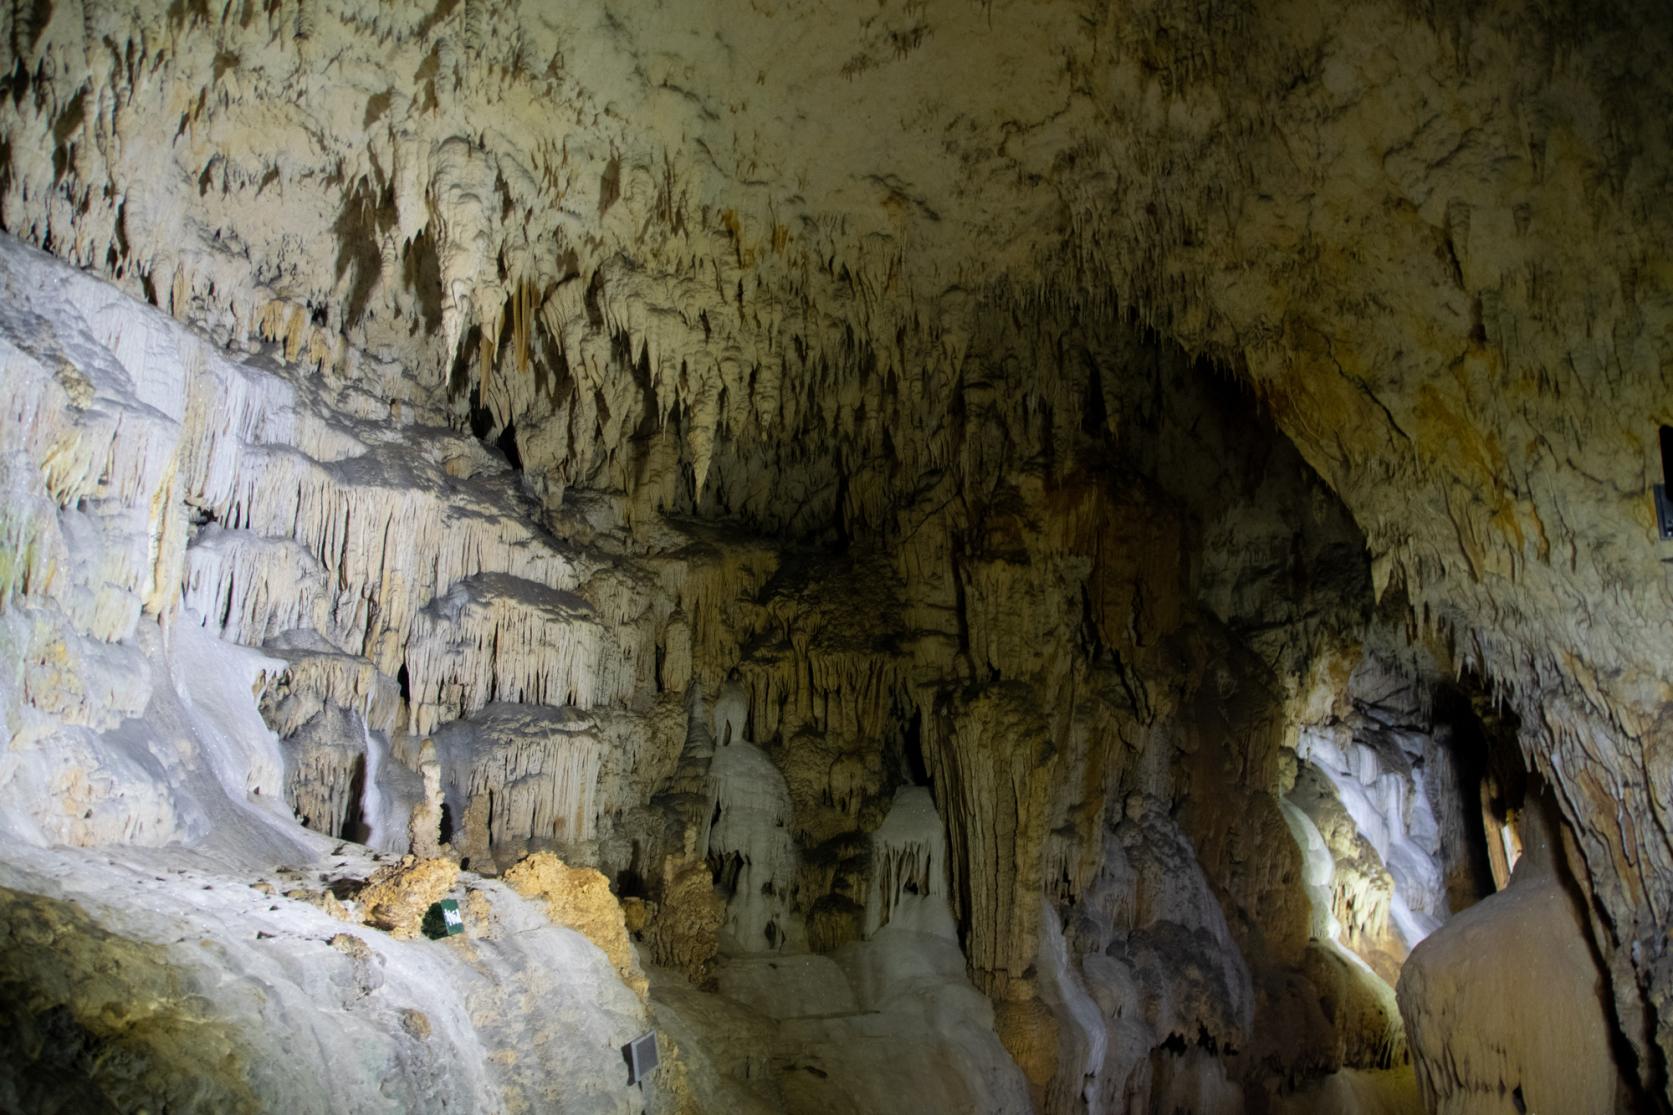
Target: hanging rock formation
[(993, 556)]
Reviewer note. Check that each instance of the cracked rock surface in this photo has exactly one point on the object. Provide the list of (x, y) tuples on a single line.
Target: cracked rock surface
[(1087, 534)]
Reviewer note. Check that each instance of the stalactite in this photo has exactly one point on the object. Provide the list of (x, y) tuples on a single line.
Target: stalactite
[(909, 867), (494, 636), (539, 768), (740, 320)]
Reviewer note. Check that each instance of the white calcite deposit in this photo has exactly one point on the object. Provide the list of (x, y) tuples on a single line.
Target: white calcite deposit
[(1155, 493), (909, 868), (749, 844)]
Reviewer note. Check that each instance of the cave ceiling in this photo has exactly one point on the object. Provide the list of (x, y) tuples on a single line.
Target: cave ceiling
[(758, 261)]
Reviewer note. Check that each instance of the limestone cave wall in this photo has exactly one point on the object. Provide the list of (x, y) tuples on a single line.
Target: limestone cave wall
[(1024, 556)]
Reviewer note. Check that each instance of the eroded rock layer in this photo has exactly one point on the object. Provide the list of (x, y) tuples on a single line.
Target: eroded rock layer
[(1038, 551)]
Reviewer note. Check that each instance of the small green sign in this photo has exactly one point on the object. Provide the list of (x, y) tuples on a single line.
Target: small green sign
[(443, 919)]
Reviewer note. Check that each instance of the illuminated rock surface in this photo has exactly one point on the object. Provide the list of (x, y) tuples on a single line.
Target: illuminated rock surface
[(992, 556)]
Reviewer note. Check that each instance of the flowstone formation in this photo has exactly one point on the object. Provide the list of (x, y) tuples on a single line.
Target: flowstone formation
[(1004, 557), (1534, 924)]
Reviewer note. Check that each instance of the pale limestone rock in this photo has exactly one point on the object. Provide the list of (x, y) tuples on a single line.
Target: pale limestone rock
[(500, 636), (326, 773), (1029, 1030), (731, 714), (312, 676), (1150, 881), (326, 901), (337, 1007), (531, 773), (833, 784), (905, 288), (674, 669), (1505, 1007), (424, 830), (749, 846), (828, 679), (909, 868)]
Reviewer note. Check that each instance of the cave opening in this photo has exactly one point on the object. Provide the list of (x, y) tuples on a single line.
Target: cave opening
[(1490, 782), (916, 771), (354, 825), (1664, 490), (506, 443)]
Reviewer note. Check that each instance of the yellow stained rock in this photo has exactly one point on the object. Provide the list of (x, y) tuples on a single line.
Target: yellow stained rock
[(397, 896), (580, 898)]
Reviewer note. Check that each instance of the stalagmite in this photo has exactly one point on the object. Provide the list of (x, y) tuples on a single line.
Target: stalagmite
[(424, 829), (1024, 556), (909, 868), (749, 847), (685, 932), (1477, 1000)]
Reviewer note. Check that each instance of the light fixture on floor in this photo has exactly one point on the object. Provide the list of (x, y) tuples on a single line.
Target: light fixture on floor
[(640, 1054)]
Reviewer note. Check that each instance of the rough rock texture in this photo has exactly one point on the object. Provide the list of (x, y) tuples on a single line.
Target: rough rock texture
[(535, 770), (1505, 1006), (867, 773), (684, 932), (1132, 436), (882, 1023), (133, 985), (326, 779), (99, 1022), (580, 898), (424, 829), (397, 897)]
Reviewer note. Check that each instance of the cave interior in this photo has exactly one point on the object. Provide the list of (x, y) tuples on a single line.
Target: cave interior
[(928, 556)]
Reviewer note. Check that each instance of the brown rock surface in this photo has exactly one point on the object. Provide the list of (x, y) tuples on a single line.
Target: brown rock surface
[(580, 898), (684, 931), (1506, 1007), (397, 895), (1048, 406), (99, 1022)]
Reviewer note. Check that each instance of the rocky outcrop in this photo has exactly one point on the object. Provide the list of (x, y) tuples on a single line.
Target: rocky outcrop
[(875, 781), (580, 899), (128, 987), (326, 779), (397, 896), (535, 771), (684, 931), (496, 636), (1481, 998), (63, 969)]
